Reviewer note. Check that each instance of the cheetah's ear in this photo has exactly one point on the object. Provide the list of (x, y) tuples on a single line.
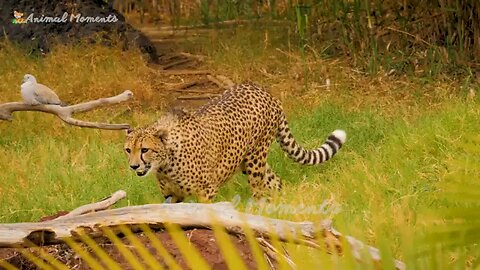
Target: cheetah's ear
[(162, 134), (128, 131)]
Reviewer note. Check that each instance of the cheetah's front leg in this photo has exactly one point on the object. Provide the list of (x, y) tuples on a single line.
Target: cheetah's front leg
[(169, 193), (173, 199), (206, 194)]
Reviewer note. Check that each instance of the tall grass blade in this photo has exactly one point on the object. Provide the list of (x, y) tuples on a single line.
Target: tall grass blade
[(89, 260), (100, 252), (150, 260), (7, 265), (162, 251), (228, 249), (190, 253), (278, 246), (126, 253), (35, 259), (47, 257), (255, 247)]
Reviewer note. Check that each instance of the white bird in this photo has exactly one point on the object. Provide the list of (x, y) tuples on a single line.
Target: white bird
[(34, 93)]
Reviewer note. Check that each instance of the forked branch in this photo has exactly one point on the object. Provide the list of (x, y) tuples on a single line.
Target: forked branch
[(65, 113), (96, 206)]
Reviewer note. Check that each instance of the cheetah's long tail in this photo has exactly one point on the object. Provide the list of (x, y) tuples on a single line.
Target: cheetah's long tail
[(296, 152)]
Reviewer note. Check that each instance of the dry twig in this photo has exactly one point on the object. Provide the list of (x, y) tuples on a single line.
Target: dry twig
[(65, 113), (274, 254), (97, 206), (221, 81), (196, 56), (416, 37), (184, 86), (198, 97), (176, 63), (184, 72)]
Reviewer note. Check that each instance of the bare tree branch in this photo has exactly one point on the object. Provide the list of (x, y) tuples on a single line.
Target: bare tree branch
[(96, 206), (65, 113)]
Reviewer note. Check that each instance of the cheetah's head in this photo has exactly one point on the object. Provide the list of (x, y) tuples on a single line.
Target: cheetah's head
[(146, 149)]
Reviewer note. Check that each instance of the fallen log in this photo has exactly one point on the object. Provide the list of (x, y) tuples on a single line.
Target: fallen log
[(186, 215)]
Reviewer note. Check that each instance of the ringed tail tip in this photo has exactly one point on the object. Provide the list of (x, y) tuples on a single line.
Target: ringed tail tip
[(341, 135)]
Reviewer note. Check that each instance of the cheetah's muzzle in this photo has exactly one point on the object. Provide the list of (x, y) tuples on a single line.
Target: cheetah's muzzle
[(141, 173), (144, 171)]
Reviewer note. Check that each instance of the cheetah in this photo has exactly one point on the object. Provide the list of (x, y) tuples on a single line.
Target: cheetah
[(197, 152)]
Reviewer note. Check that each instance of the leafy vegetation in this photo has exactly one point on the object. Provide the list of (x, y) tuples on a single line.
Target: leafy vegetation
[(406, 180), (423, 38)]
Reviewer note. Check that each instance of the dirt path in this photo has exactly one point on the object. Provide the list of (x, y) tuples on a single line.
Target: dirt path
[(183, 77)]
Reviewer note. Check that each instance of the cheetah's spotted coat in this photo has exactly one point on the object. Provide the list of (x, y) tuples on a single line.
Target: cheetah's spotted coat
[(198, 152)]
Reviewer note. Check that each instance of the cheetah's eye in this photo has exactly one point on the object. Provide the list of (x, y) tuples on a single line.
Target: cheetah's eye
[(127, 150), (144, 150)]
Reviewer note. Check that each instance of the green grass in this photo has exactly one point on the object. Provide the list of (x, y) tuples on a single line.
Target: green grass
[(386, 175), (385, 179), (45, 171)]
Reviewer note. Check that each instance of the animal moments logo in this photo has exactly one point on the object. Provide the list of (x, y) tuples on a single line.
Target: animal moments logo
[(18, 17), (66, 17)]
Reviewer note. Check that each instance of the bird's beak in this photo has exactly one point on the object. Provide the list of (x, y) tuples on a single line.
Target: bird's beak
[(23, 80)]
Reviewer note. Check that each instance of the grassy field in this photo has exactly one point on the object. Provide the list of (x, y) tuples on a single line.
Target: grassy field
[(407, 136)]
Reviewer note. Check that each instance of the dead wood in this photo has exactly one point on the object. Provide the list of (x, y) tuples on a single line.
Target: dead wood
[(221, 81), (196, 56), (65, 113), (196, 91), (274, 254), (183, 55), (198, 97), (185, 72), (97, 206), (184, 86), (176, 63), (186, 215), (226, 81)]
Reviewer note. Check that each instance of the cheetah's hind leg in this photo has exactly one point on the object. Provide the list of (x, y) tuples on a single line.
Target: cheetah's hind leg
[(262, 179)]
